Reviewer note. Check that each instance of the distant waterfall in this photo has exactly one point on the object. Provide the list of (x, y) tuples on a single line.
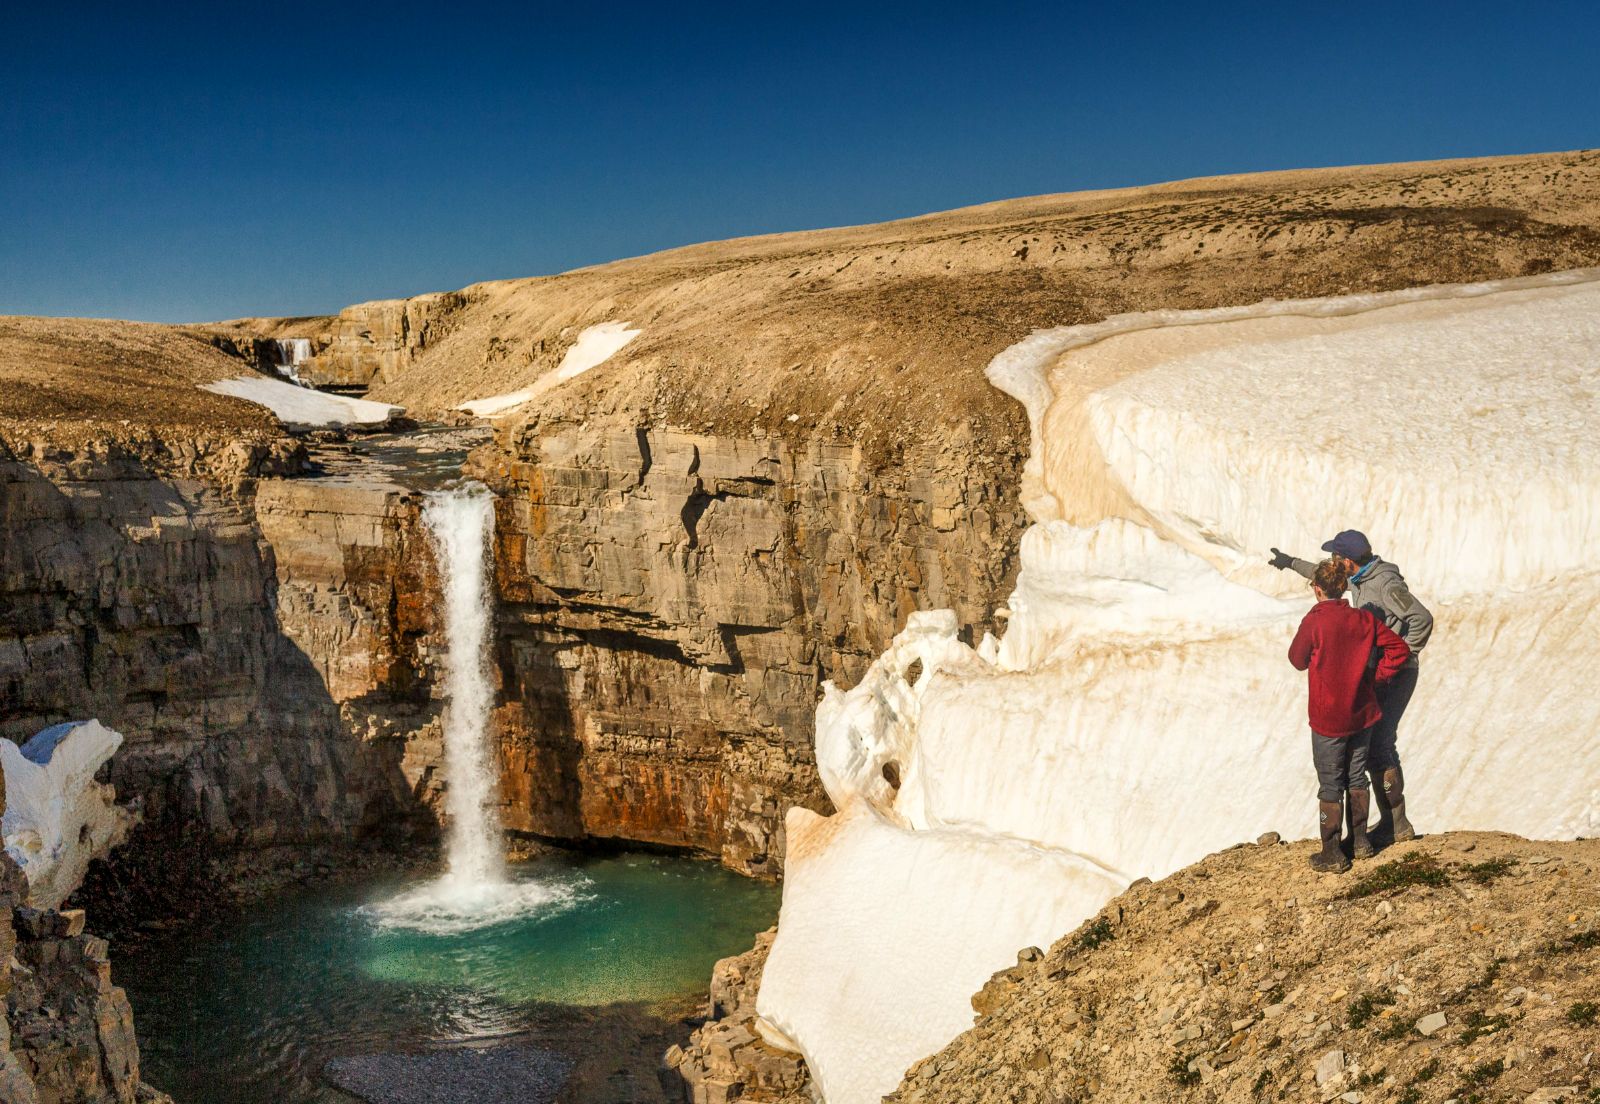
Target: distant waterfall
[(288, 353), (460, 522)]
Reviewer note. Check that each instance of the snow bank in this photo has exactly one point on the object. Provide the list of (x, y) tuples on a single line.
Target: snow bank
[(303, 407), (595, 345), (1139, 712), (57, 816), (872, 909)]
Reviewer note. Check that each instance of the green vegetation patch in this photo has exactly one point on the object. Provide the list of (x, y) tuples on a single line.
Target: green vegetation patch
[(1582, 941), (1397, 1028), (1481, 1074), (1478, 1025), (1485, 872), (1412, 869), (1095, 934), (1364, 1007), (1584, 1013)]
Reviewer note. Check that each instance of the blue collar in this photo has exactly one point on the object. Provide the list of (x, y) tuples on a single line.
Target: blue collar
[(1366, 567)]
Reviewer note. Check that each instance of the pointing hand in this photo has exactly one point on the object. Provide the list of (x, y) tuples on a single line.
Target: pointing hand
[(1280, 560)]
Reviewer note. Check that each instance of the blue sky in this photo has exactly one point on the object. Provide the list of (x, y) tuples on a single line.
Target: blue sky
[(177, 164)]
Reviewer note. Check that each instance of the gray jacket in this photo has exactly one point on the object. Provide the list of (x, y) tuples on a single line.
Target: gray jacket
[(1382, 590)]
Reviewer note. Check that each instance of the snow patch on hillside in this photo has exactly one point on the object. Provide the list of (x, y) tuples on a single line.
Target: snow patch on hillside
[(595, 345), (1139, 712), (302, 407)]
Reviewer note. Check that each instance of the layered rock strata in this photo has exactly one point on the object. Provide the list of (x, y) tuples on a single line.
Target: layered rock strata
[(671, 603), (139, 589), (356, 585), (364, 345)]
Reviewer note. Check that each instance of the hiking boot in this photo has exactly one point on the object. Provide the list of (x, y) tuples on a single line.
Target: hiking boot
[(1393, 788), (1360, 845), (1330, 860)]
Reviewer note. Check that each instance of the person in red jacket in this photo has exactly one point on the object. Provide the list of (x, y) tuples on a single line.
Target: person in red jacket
[(1335, 643)]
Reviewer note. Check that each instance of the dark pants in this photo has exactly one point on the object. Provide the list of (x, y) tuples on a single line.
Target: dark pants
[(1393, 698), (1341, 763)]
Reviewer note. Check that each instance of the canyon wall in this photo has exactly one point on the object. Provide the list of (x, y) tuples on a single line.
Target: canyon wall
[(671, 603), (368, 343), (138, 588)]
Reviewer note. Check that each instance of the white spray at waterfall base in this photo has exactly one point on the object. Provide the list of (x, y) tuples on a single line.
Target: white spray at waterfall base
[(474, 891), (1140, 711)]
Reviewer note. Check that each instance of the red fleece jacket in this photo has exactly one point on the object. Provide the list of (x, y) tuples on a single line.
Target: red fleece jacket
[(1334, 642)]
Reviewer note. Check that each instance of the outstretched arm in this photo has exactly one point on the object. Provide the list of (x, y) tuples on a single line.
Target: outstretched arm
[(1393, 653)]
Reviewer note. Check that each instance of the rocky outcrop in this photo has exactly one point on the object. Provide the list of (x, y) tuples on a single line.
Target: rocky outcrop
[(369, 343), (727, 1059), (363, 345), (356, 585), (671, 603), (67, 1033), (1459, 967)]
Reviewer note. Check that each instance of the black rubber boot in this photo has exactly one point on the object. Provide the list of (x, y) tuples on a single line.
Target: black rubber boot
[(1360, 846), (1394, 791), (1330, 860), (1383, 831)]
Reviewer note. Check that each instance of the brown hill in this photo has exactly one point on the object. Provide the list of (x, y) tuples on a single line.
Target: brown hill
[(1463, 966), (882, 332)]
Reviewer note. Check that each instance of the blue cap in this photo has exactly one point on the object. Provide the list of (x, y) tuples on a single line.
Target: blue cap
[(1351, 544)]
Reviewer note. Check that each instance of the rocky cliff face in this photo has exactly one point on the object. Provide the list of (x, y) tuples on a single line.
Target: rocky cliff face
[(362, 346), (671, 603), (139, 589), (369, 343), (356, 586)]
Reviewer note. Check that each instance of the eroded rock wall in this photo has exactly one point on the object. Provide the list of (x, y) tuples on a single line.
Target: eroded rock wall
[(355, 589), (139, 590), (369, 343), (672, 602)]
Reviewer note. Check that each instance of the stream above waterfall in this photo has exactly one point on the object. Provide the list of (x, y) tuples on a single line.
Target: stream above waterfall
[(600, 977)]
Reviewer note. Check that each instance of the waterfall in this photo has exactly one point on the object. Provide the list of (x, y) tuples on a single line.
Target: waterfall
[(288, 353), (460, 523), (477, 890)]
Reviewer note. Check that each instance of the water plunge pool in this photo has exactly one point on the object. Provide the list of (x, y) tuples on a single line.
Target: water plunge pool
[(596, 962)]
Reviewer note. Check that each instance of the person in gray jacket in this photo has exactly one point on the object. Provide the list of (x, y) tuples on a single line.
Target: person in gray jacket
[(1378, 586)]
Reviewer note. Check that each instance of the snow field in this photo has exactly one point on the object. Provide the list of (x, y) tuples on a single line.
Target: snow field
[(301, 406), (855, 928)]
